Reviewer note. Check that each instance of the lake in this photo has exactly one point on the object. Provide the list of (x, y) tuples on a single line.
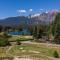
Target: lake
[(24, 32)]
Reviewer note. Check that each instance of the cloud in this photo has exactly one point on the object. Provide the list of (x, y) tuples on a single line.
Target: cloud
[(41, 9), (30, 10), (46, 11), (21, 11)]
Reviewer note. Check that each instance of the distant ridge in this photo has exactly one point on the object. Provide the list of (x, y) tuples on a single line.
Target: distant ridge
[(39, 17)]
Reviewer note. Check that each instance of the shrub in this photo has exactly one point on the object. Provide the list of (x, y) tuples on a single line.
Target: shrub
[(18, 42), (4, 42), (56, 55), (6, 35)]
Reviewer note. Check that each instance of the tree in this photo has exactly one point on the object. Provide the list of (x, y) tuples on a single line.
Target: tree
[(35, 31), (56, 29), (40, 30), (30, 28), (40, 33), (56, 55), (7, 28), (1, 28), (6, 36), (49, 31)]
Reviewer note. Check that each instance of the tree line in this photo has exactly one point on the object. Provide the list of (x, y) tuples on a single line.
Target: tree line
[(51, 31)]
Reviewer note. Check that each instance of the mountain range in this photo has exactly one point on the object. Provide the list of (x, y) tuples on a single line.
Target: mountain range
[(44, 17)]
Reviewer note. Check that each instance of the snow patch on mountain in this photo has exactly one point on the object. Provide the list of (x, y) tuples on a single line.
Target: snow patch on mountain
[(35, 15)]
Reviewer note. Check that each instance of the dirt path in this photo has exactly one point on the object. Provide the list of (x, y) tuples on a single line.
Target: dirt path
[(49, 58), (16, 58), (7, 51), (52, 58), (22, 58)]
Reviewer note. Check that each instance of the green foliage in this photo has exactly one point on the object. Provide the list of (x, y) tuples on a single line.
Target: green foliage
[(6, 35), (57, 39), (4, 42), (56, 25), (40, 30), (40, 33), (1, 28), (35, 31), (56, 55), (56, 28), (18, 42), (30, 28)]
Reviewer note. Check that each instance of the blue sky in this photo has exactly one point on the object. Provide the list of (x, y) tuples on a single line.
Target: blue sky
[(9, 8)]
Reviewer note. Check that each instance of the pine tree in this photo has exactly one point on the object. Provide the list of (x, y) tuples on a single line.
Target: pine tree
[(56, 29)]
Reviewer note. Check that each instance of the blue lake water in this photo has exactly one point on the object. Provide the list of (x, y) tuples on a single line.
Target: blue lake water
[(24, 32)]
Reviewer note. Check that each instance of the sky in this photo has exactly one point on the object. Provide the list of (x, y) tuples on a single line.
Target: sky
[(10, 8)]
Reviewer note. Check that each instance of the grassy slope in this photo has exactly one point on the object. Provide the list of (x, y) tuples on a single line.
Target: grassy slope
[(41, 50), (21, 38), (36, 50), (3, 51)]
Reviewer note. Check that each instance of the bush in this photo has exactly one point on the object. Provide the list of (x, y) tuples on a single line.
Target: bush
[(18, 42), (4, 42), (57, 40), (56, 55), (6, 35)]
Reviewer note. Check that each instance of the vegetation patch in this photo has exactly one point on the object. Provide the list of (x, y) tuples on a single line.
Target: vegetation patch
[(32, 49), (21, 38)]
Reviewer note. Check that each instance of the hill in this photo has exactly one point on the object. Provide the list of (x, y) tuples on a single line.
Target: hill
[(44, 18)]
